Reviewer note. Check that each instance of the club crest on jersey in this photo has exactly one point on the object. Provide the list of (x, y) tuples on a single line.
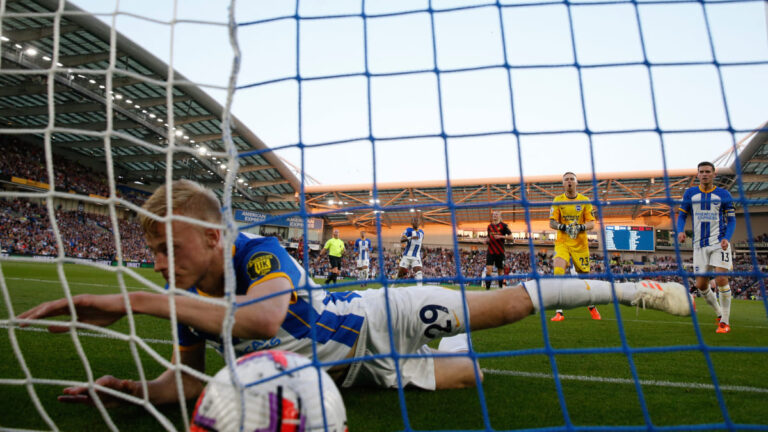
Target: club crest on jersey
[(578, 208), (261, 264)]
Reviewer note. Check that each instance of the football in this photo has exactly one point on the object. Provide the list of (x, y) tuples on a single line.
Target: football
[(281, 392)]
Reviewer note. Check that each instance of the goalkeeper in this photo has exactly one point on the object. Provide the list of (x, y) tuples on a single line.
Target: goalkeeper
[(278, 307), (572, 216)]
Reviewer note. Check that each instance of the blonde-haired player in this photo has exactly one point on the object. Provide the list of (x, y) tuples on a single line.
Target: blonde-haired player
[(571, 215)]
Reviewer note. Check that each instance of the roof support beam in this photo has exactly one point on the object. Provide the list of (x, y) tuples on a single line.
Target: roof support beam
[(199, 139), (258, 184), (252, 168), (150, 102), (101, 126), (157, 157), (96, 143), (23, 88), (82, 59), (31, 34)]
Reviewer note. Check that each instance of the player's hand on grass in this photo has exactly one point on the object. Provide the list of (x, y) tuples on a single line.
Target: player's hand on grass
[(100, 310), (80, 395)]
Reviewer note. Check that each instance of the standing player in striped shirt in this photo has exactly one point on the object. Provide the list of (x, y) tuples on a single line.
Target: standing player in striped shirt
[(363, 250), (412, 238), (498, 231), (714, 221)]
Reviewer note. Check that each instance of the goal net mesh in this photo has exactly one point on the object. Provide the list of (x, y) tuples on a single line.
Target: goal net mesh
[(394, 91)]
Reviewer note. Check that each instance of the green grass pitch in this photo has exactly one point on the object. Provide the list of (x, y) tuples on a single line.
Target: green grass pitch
[(519, 391)]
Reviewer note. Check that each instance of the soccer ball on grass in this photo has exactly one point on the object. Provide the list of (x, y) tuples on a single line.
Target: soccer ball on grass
[(281, 394)]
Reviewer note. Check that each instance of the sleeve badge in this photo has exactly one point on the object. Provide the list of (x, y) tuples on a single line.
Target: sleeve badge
[(261, 264)]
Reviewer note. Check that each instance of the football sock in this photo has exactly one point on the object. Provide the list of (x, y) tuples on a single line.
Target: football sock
[(711, 298), (487, 285), (573, 293), (419, 277), (725, 302), (559, 271)]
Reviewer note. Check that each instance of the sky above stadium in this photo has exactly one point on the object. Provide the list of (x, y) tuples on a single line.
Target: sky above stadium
[(474, 102)]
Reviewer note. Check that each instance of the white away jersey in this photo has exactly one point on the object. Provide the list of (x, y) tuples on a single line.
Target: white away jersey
[(710, 210), (413, 244)]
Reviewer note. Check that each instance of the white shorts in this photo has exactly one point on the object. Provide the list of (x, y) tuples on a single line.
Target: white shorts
[(707, 257), (419, 315), (363, 263), (410, 262)]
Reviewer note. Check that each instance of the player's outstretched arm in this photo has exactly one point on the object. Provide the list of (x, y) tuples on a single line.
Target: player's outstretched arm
[(260, 319), (258, 316), (161, 390), (100, 310)]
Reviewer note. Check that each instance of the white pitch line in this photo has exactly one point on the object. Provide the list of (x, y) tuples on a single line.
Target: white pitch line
[(73, 283), (84, 333), (687, 385)]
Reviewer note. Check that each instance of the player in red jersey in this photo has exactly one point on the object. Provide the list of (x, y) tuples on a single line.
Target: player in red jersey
[(498, 231)]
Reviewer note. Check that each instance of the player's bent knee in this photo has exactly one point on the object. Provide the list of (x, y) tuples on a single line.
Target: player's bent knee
[(456, 373)]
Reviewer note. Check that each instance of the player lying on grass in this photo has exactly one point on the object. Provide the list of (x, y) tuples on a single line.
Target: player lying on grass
[(279, 307)]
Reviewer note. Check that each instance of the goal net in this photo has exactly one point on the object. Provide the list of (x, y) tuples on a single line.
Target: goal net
[(101, 102)]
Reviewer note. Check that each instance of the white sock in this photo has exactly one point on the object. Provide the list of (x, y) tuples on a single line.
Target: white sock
[(571, 293), (725, 302), (711, 298), (419, 277), (365, 274), (454, 344)]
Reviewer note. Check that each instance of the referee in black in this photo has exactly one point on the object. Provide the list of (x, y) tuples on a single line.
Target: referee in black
[(335, 248)]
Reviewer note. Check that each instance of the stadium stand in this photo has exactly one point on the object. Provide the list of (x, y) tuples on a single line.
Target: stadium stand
[(25, 163), (27, 231)]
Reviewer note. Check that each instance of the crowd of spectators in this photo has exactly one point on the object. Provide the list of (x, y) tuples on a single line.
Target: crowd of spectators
[(27, 161), (26, 230)]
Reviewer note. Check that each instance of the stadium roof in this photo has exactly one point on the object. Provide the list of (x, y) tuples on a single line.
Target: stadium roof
[(140, 94)]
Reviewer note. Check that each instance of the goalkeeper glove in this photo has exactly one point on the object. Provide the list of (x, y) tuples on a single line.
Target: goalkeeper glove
[(562, 227), (573, 230)]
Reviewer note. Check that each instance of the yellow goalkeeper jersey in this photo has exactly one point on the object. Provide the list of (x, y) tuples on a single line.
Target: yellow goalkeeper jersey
[(567, 211)]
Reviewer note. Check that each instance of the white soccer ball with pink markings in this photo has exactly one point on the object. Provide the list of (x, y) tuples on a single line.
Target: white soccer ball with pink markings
[(282, 392)]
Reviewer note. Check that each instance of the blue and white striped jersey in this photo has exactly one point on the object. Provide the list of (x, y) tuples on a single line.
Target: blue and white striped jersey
[(258, 259), (413, 243), (714, 217), (363, 249)]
